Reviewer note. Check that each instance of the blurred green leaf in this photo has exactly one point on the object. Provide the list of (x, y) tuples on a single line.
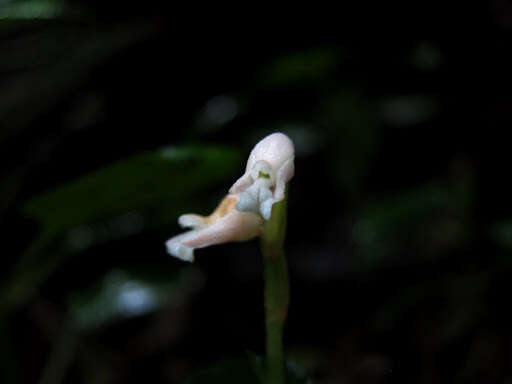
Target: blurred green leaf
[(257, 364), (393, 312), (408, 110), (8, 352), (29, 94), (31, 10), (295, 373), (153, 182), (427, 56), (61, 358), (353, 142), (144, 191), (425, 221), (125, 294), (245, 370), (463, 298), (227, 371), (501, 233), (299, 67), (9, 186)]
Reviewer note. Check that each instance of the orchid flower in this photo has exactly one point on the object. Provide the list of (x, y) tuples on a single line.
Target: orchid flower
[(237, 218), (269, 168)]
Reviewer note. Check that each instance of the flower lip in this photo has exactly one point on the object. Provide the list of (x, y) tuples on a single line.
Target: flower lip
[(225, 224)]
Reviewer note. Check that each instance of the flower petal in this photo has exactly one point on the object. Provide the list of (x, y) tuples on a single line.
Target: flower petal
[(275, 149), (241, 184), (224, 225), (235, 226), (284, 175), (192, 221), (177, 249)]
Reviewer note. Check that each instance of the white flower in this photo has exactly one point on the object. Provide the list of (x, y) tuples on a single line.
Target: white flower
[(224, 225), (269, 167)]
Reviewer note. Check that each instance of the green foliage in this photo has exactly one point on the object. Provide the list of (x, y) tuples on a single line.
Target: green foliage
[(227, 371), (131, 195), (247, 370), (126, 294), (150, 182), (354, 138), (300, 67), (9, 371), (427, 220), (409, 110), (32, 9), (58, 61), (501, 233)]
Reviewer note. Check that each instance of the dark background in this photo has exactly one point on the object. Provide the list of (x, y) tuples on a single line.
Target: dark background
[(117, 117)]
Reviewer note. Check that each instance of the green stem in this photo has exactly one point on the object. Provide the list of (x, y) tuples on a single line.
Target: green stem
[(276, 290)]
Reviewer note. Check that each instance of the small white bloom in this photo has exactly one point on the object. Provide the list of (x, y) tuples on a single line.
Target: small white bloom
[(269, 167), (225, 224)]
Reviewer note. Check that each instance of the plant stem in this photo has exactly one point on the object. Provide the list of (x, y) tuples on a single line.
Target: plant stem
[(276, 290)]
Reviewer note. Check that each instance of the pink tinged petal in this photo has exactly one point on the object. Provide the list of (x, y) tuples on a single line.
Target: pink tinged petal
[(224, 225), (276, 149), (235, 226), (192, 221), (241, 184), (284, 174)]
